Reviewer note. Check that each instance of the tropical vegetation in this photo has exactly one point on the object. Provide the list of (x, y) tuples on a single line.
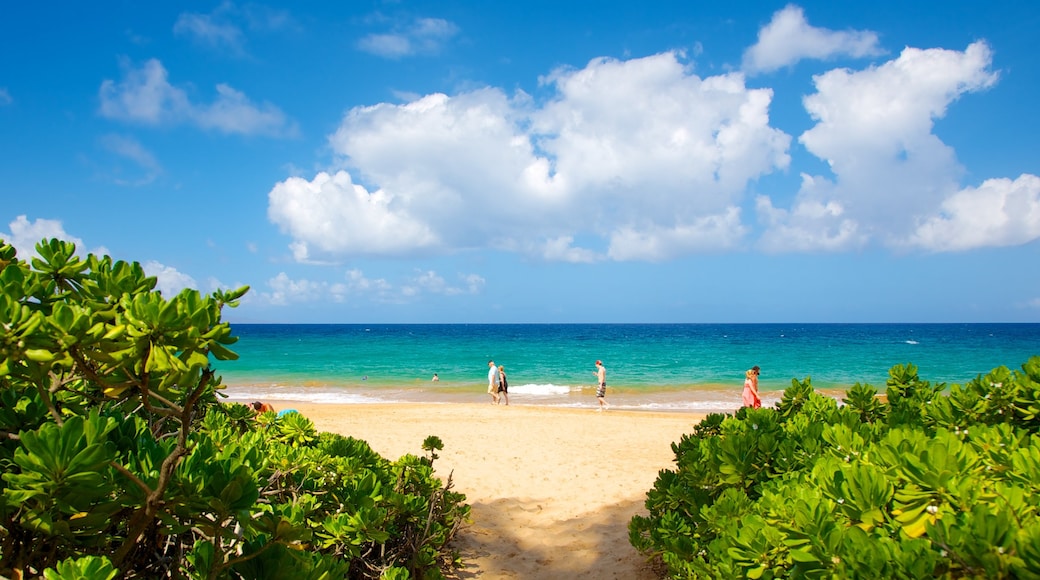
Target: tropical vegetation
[(120, 460), (923, 482)]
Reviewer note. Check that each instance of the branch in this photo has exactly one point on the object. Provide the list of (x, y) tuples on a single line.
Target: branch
[(241, 559), (46, 396), (172, 409), (137, 481), (87, 369), (144, 516)]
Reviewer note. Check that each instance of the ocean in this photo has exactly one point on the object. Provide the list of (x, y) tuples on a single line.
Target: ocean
[(667, 367)]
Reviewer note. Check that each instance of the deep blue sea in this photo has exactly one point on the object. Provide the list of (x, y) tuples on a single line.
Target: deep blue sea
[(696, 367)]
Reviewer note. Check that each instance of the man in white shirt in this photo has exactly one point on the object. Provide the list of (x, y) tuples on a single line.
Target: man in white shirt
[(493, 382)]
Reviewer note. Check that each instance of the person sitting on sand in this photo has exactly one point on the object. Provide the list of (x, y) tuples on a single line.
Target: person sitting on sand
[(435, 378), (750, 395), (261, 408)]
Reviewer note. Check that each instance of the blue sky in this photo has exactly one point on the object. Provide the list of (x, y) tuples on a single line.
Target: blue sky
[(538, 161)]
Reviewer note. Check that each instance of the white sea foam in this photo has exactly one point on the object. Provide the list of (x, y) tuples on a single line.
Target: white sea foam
[(543, 395), (911, 342), (543, 390), (308, 395)]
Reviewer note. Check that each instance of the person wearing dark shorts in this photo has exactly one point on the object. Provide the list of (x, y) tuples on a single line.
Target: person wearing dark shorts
[(601, 389), (503, 384)]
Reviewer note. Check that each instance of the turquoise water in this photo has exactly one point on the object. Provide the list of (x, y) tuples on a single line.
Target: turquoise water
[(650, 366)]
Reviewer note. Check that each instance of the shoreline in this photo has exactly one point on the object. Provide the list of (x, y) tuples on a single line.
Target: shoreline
[(694, 401), (551, 489)]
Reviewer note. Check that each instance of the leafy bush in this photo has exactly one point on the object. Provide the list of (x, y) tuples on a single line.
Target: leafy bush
[(118, 460), (923, 483)]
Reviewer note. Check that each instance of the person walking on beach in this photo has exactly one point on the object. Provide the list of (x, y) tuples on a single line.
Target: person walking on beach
[(601, 380), (750, 396), (493, 382), (503, 384)]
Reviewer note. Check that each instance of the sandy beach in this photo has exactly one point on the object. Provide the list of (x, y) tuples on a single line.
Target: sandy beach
[(551, 490)]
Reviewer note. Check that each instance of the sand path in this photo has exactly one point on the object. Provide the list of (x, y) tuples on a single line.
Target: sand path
[(552, 490)]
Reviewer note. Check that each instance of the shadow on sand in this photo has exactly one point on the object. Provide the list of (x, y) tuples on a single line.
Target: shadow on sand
[(508, 539)]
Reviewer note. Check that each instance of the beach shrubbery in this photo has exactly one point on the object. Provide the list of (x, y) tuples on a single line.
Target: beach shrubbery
[(927, 482), (119, 461)]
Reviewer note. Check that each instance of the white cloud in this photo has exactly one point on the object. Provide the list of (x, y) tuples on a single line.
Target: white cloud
[(233, 112), (811, 226), (222, 29), (282, 290), (129, 148), (1000, 212), (331, 216), (639, 159), (168, 280), (649, 128), (659, 243), (788, 38), (420, 36), (146, 96), (209, 30), (357, 282), (433, 283), (24, 235), (639, 152), (5, 97), (562, 249), (874, 128), (474, 283)]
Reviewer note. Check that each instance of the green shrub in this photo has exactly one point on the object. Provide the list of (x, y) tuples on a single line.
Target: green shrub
[(932, 482), (118, 459)]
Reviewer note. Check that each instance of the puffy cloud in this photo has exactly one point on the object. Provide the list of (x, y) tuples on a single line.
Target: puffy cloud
[(331, 216), (25, 235), (642, 159), (1000, 212), (658, 243), (168, 280), (561, 249), (874, 129), (146, 96), (420, 36), (637, 154), (653, 132), (810, 226), (788, 38)]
